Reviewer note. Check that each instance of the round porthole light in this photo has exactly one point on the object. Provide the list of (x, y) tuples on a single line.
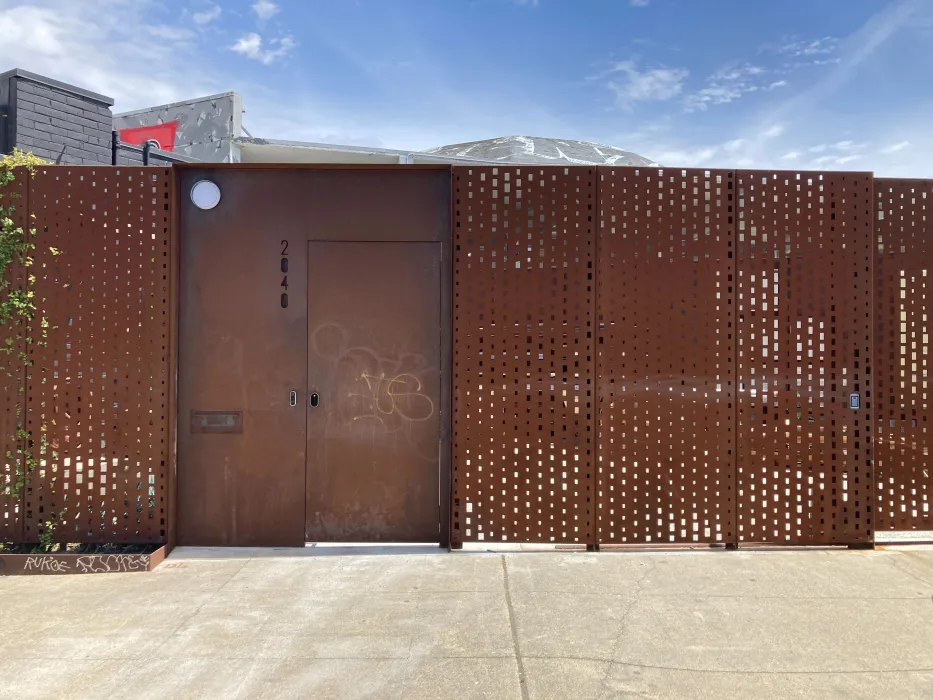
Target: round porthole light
[(205, 194)]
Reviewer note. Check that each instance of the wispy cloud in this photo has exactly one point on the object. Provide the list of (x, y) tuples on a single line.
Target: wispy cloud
[(639, 3), (853, 52), (251, 46), (265, 9), (207, 16), (810, 47), (632, 84), (730, 84), (172, 33), (896, 147), (772, 132)]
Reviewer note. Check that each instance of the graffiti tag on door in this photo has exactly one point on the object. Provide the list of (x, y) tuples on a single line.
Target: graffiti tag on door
[(400, 395), (387, 393)]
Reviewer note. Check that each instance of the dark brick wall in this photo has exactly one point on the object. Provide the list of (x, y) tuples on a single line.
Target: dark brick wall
[(58, 122)]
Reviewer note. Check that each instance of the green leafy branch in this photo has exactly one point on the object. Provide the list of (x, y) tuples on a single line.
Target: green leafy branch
[(18, 311)]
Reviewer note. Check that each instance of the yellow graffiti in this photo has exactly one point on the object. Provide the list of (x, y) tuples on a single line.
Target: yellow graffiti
[(386, 399)]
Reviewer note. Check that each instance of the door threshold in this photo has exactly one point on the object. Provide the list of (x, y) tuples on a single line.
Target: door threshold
[(311, 549), (334, 548)]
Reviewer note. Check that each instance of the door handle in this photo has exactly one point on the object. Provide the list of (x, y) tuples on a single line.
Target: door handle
[(315, 400), (293, 398)]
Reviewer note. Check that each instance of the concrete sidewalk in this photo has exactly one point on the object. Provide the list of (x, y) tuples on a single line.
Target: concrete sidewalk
[(711, 624)]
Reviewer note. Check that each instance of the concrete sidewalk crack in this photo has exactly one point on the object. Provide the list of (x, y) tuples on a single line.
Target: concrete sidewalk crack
[(622, 628), (736, 672), (522, 681), (914, 576)]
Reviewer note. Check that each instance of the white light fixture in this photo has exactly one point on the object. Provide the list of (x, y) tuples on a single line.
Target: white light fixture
[(205, 194)]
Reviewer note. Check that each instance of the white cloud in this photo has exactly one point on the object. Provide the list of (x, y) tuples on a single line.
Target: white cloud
[(773, 131), (639, 3), (846, 159), (250, 45), (730, 84), (649, 85), (734, 145), (100, 46), (265, 9), (848, 145), (853, 52), (793, 155), (172, 33), (896, 147), (810, 47), (207, 16)]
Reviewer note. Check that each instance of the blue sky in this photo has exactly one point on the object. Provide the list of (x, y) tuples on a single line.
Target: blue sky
[(834, 84)]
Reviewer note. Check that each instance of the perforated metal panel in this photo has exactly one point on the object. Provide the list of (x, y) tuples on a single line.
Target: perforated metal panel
[(98, 392), (523, 306), (665, 361), (903, 305), (804, 346), (12, 387)]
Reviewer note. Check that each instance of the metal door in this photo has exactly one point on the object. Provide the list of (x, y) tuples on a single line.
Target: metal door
[(374, 382)]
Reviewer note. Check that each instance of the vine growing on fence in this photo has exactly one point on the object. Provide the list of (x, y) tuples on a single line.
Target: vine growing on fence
[(21, 324)]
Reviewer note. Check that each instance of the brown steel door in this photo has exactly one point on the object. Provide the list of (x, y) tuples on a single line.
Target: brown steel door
[(374, 371)]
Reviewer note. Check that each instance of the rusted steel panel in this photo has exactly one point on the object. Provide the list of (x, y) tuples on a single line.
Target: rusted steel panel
[(523, 354), (374, 372), (804, 305), (98, 392), (15, 197), (242, 352), (665, 356), (903, 306), (240, 349)]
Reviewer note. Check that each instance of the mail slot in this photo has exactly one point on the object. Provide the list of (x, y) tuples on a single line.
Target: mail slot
[(223, 422)]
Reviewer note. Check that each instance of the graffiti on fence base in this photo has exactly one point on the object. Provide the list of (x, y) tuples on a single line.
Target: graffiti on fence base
[(110, 563), (46, 565), (72, 563)]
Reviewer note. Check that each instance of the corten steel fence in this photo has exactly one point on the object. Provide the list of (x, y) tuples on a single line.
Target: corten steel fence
[(803, 296), (640, 356), (903, 254), (735, 323), (524, 260), (98, 395), (664, 367)]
